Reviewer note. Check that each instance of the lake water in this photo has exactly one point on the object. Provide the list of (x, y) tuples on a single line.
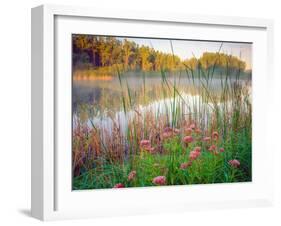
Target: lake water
[(101, 98)]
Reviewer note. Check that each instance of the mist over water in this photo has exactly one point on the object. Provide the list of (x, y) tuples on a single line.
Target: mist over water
[(102, 97)]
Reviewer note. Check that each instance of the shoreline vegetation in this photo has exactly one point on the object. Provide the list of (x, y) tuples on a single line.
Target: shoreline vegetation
[(107, 74), (95, 56), (183, 140)]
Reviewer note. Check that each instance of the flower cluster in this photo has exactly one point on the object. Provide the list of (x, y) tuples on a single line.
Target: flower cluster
[(210, 143), (119, 185), (187, 140), (185, 165), (159, 180), (193, 155), (169, 132), (132, 175), (234, 163), (146, 146)]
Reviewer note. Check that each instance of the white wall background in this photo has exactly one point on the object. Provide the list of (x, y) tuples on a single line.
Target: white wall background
[(15, 111)]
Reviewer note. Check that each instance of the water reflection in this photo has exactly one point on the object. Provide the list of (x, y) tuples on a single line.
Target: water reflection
[(149, 94)]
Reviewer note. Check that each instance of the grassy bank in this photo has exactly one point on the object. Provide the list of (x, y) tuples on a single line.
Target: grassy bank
[(193, 141)]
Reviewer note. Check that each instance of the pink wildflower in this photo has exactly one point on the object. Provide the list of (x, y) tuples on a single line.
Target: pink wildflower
[(167, 135), (221, 149), (132, 175), (159, 180), (188, 139), (194, 155), (119, 185), (170, 132), (234, 163), (168, 129), (144, 143), (212, 148), (185, 165), (197, 149)]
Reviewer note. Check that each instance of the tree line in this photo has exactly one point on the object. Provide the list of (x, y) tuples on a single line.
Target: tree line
[(96, 52)]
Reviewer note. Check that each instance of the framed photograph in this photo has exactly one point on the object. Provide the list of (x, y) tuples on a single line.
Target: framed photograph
[(136, 112)]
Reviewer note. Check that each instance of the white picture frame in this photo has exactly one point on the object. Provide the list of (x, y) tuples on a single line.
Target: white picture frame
[(52, 197)]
